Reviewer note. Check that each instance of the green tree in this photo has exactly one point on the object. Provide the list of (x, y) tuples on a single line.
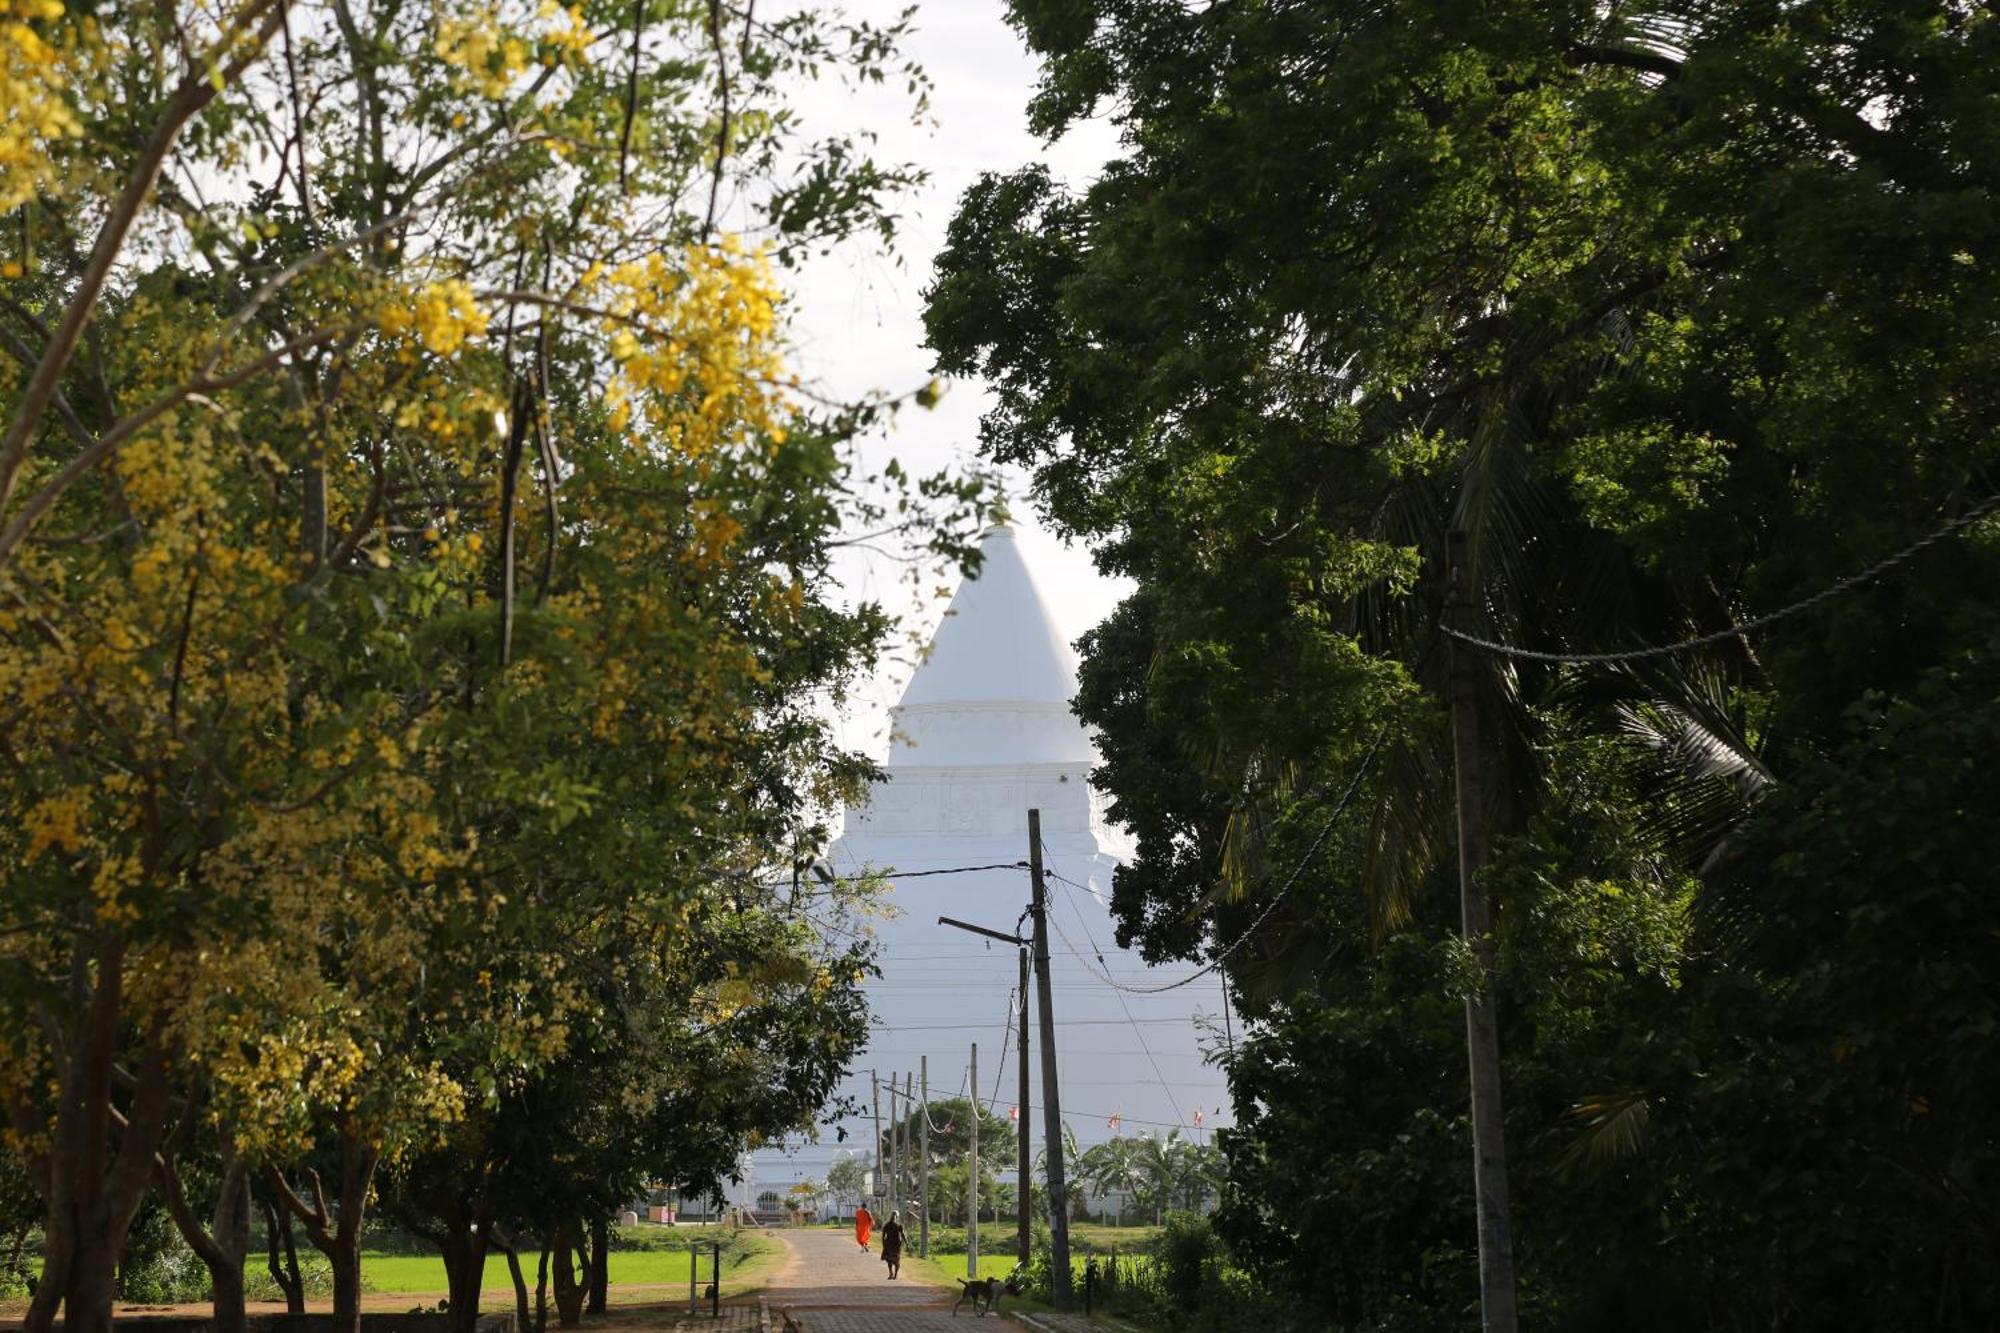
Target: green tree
[(398, 470), (1629, 298), (846, 1179)]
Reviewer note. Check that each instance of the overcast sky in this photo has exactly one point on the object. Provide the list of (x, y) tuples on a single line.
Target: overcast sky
[(858, 320)]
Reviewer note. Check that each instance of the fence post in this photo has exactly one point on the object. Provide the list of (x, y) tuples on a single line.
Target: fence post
[(694, 1258), (715, 1284)]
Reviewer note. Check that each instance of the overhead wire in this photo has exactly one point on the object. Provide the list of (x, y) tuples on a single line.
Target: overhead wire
[(1277, 899), (1068, 896), (1738, 630), (1006, 1039)]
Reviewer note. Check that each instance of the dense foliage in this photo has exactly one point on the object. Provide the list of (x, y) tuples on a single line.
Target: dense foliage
[(1679, 313)]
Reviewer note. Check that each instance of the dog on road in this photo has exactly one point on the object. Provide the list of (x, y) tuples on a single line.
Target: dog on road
[(985, 1292)]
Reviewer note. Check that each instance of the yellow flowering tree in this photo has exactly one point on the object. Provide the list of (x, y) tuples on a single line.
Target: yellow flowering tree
[(407, 527)]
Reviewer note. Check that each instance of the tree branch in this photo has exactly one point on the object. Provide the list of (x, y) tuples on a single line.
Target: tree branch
[(186, 101), (109, 442)]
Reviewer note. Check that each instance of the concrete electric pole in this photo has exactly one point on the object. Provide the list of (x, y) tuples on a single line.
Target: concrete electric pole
[(972, 1176), (924, 1161), (1025, 1189), (1059, 1274)]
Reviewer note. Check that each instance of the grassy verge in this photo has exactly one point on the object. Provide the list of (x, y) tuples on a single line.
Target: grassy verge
[(748, 1261)]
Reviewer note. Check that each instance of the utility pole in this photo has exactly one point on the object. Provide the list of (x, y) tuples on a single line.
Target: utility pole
[(1482, 1029), (924, 1162), (875, 1154), (1059, 1275), (1228, 1026), (972, 1176), (1025, 1189), (909, 1110)]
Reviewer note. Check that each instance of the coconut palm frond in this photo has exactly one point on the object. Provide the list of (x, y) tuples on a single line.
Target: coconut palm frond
[(1698, 767), (1609, 1126), (1501, 507), (1409, 832)]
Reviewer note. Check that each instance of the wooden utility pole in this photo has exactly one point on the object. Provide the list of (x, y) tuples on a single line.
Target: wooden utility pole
[(1059, 1275), (875, 1154), (1025, 1204), (972, 1176), (1482, 1030), (924, 1161)]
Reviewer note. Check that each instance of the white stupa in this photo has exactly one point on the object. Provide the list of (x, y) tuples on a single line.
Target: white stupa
[(985, 732)]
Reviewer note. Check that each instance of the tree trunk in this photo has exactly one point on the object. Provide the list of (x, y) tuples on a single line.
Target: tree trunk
[(600, 1265), (569, 1292), (464, 1246), (1482, 1028), (54, 1281), (346, 1262), (336, 1233), (224, 1244), (91, 1291), (288, 1278), (93, 1186), (522, 1317), (226, 1298), (542, 1289)]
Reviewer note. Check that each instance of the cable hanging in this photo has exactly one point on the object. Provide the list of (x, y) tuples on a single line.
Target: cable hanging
[(1070, 889), (1826, 594), (1312, 851)]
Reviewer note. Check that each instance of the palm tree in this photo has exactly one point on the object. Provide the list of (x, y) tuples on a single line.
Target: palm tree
[(1075, 1187), (1114, 1169)]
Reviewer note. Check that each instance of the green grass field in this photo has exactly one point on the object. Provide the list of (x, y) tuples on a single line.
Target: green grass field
[(748, 1259)]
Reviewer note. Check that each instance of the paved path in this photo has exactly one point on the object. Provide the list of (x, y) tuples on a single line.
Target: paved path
[(830, 1286)]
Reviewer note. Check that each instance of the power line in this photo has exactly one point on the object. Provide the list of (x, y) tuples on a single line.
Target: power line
[(1312, 850), (892, 873), (1069, 896), (1826, 594), (1006, 1038), (1061, 1023)]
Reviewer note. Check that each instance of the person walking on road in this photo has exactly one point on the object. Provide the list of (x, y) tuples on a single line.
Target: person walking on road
[(863, 1224), (892, 1245)]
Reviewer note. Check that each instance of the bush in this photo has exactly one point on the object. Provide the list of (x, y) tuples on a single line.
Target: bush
[(159, 1268), (1190, 1257), (314, 1271)]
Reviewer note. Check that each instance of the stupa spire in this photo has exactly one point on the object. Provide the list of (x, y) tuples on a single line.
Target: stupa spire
[(996, 684)]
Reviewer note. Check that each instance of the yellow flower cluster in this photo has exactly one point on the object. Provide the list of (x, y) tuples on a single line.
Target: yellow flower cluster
[(489, 58), (443, 315), (568, 38), (695, 339), (55, 823), (33, 115)]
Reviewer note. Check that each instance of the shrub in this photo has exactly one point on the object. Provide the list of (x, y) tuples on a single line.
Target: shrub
[(159, 1268), (314, 1271), (1190, 1257)]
